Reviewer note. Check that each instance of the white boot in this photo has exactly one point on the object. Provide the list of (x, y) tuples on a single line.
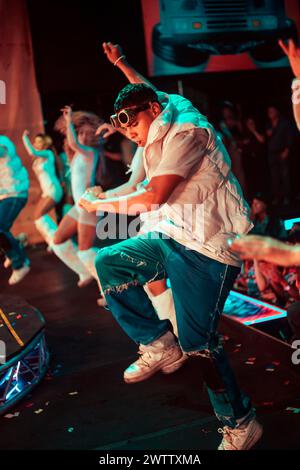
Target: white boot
[(47, 228), (164, 306), (165, 309), (18, 275), (87, 257), (66, 252)]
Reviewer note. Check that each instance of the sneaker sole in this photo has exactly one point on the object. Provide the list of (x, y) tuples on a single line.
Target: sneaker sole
[(174, 367)]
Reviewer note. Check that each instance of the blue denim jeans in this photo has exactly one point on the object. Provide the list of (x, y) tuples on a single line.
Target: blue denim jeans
[(9, 211), (200, 286)]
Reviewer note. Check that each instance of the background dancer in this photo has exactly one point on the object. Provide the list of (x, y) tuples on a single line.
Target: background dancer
[(186, 164), (45, 171), (14, 186), (79, 258)]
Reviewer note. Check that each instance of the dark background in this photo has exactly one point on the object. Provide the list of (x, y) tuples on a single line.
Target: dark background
[(72, 69), (67, 41)]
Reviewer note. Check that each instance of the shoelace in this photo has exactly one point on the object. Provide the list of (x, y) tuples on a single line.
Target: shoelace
[(229, 434), (142, 355)]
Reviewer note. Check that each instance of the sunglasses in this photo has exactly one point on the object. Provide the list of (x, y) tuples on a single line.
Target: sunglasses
[(125, 117)]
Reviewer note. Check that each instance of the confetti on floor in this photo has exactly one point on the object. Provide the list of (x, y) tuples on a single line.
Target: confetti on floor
[(251, 361), (70, 429), (37, 412), (73, 393), (12, 415)]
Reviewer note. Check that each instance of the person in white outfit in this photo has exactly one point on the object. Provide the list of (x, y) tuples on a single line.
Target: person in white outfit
[(44, 169), (14, 186), (79, 129), (201, 207)]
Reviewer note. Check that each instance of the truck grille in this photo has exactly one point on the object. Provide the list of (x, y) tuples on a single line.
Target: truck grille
[(225, 14)]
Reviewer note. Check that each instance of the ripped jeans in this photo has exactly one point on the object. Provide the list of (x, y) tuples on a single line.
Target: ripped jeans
[(200, 286)]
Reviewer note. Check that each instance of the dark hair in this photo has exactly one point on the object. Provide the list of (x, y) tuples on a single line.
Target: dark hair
[(135, 95), (262, 197)]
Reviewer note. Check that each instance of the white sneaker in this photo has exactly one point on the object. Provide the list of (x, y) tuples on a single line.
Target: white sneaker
[(7, 263), (84, 280), (241, 438), (163, 355), (18, 275)]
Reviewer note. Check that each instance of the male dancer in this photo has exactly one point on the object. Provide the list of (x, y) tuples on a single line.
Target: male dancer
[(201, 206)]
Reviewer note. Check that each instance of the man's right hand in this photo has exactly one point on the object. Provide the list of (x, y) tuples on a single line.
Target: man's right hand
[(112, 51)]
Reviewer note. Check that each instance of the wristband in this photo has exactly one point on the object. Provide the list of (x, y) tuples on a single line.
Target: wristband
[(119, 58)]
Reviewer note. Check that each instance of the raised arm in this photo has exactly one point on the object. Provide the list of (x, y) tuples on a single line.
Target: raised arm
[(115, 55), (30, 149), (72, 136), (293, 54), (296, 101)]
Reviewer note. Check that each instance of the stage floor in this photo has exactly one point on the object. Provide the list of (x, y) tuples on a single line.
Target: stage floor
[(83, 402)]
